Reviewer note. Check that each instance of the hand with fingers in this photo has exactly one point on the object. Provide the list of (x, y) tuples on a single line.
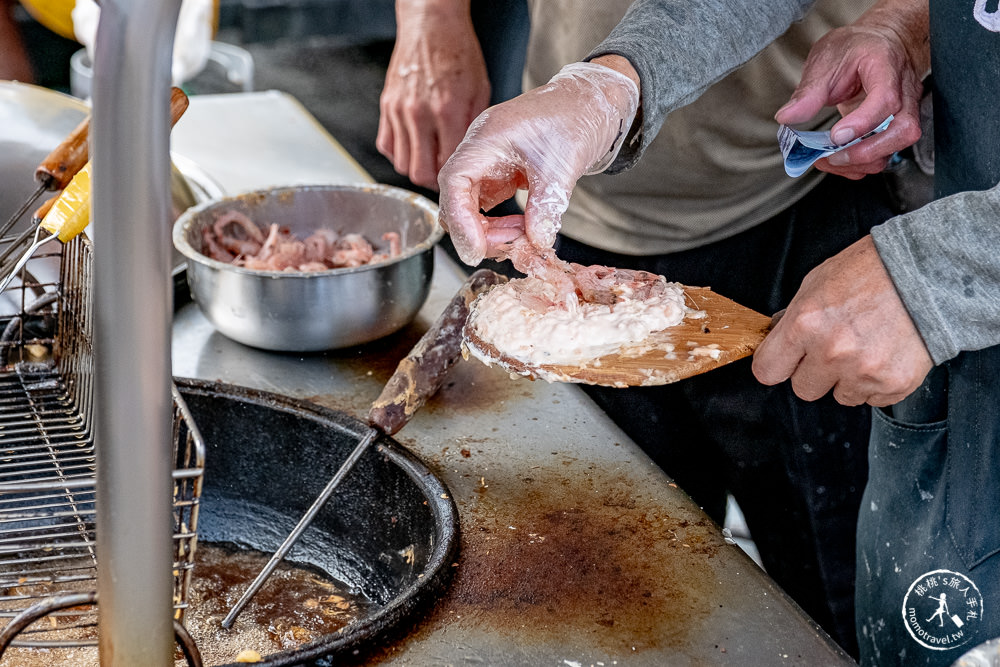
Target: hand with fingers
[(870, 70), (436, 84), (846, 330), (542, 141)]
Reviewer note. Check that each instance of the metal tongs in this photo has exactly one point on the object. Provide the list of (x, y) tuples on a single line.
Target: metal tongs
[(67, 215), (417, 377)]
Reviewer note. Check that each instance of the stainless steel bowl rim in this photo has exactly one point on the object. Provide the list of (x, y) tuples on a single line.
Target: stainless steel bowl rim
[(184, 222)]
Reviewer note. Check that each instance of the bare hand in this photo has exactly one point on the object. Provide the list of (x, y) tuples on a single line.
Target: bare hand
[(869, 70), (435, 86), (846, 330)]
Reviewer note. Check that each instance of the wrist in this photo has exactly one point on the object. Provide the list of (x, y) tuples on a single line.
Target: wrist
[(908, 22), (619, 64), (422, 11)]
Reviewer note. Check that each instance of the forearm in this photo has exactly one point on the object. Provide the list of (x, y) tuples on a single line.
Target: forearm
[(681, 47), (416, 19), (412, 12), (942, 260)]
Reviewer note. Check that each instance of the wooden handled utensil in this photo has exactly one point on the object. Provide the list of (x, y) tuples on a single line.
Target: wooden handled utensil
[(727, 332), (68, 214), (57, 169), (417, 377)]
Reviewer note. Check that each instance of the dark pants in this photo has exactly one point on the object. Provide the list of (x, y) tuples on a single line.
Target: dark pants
[(929, 529), (797, 469)]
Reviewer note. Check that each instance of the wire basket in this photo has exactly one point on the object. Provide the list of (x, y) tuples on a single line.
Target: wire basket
[(47, 465)]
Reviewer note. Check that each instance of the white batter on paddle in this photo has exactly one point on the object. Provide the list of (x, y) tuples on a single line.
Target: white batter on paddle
[(524, 320)]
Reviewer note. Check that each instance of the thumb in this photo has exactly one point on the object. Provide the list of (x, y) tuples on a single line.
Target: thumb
[(804, 104), (776, 358)]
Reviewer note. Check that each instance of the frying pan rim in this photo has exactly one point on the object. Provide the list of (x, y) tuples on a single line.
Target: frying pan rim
[(436, 575)]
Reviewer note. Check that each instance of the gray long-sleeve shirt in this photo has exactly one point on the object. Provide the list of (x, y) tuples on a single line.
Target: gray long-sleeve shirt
[(944, 259), (681, 47)]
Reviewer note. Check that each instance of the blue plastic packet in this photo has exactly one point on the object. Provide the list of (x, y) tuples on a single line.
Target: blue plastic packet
[(802, 149)]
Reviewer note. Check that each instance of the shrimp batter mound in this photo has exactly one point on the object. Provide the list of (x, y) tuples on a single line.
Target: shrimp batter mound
[(530, 321)]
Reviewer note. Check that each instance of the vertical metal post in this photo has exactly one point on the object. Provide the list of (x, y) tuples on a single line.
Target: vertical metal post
[(131, 291)]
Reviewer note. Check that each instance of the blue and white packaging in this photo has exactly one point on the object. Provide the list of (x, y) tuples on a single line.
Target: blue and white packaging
[(802, 149)]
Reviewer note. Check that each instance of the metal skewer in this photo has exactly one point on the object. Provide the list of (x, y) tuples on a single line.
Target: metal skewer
[(303, 523), (416, 378)]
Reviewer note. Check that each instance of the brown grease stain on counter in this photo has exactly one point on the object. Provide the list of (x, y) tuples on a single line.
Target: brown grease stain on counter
[(577, 556), (568, 551)]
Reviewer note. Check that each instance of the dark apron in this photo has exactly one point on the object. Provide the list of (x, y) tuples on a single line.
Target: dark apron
[(928, 577)]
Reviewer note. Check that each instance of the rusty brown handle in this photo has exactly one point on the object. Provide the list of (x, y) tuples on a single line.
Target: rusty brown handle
[(421, 373), (44, 208), (62, 164)]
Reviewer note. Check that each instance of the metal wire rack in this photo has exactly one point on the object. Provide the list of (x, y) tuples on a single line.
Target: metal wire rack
[(47, 465)]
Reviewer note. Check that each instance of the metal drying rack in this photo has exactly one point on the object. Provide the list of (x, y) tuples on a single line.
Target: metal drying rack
[(47, 457)]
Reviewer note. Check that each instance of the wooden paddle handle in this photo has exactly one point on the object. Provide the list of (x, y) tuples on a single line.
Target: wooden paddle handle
[(421, 373), (67, 159), (61, 165)]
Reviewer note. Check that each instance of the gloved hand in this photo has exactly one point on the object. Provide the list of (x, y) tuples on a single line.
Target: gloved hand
[(544, 141)]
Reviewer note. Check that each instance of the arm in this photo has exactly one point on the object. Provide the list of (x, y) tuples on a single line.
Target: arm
[(870, 322), (869, 70), (435, 85), (680, 48), (943, 262)]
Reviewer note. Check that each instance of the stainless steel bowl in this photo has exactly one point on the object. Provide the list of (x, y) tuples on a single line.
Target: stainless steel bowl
[(322, 310)]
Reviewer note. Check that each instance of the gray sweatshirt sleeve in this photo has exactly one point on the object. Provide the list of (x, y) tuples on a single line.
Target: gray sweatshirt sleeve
[(681, 47), (944, 260)]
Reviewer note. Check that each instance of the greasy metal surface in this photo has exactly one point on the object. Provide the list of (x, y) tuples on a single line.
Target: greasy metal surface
[(575, 547)]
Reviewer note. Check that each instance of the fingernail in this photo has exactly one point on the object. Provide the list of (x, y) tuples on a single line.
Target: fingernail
[(842, 136), (839, 159)]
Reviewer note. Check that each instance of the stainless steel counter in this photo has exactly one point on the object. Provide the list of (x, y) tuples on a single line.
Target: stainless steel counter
[(576, 548)]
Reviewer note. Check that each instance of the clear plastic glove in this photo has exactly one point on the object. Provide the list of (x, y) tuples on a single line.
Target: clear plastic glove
[(870, 70), (436, 84), (542, 141), (846, 330)]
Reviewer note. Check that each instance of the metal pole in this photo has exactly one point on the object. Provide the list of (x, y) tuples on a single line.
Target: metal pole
[(131, 291)]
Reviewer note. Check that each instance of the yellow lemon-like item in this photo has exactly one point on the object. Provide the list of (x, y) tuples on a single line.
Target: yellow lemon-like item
[(56, 15), (70, 213)]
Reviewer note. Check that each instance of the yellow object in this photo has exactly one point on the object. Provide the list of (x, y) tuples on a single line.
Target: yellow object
[(70, 213), (56, 15), (248, 656)]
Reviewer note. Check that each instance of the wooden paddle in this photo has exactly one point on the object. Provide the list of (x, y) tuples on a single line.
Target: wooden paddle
[(728, 332)]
